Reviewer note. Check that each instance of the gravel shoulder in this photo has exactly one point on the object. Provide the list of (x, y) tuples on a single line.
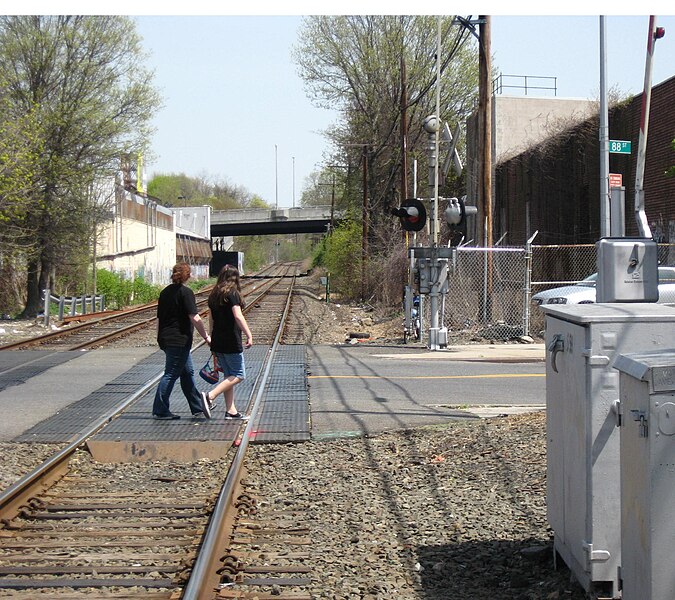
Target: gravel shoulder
[(456, 511)]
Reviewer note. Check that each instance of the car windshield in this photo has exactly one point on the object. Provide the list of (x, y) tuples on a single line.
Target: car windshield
[(589, 281)]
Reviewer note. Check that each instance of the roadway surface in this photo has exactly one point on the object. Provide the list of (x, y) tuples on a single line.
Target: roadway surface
[(353, 390), (357, 390)]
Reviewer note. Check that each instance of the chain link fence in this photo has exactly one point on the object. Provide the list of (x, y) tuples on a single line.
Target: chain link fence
[(490, 288)]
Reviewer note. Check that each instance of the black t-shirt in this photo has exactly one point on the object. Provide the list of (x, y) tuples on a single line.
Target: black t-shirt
[(226, 334), (176, 304)]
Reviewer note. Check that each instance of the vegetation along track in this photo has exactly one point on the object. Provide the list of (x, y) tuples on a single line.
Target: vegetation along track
[(74, 528)]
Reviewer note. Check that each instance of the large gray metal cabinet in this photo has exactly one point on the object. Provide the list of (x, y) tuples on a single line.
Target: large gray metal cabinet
[(647, 474), (583, 468)]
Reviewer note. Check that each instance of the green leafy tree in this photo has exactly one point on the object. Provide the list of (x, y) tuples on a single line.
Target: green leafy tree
[(171, 190), (19, 155), (360, 65), (183, 190), (20, 150), (340, 254), (83, 80), (325, 187), (380, 73)]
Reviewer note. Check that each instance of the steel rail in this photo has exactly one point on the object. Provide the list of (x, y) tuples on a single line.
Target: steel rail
[(197, 586), (20, 491)]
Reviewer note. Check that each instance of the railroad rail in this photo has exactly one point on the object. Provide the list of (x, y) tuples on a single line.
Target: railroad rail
[(75, 529)]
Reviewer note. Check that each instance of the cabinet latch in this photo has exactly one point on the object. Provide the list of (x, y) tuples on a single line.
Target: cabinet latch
[(641, 418)]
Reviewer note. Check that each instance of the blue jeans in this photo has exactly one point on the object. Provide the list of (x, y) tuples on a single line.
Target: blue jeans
[(178, 365)]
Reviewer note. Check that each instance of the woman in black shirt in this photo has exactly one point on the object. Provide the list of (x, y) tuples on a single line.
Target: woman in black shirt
[(176, 316), (227, 324)]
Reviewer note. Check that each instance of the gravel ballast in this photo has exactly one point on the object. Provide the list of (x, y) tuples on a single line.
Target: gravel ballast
[(456, 511)]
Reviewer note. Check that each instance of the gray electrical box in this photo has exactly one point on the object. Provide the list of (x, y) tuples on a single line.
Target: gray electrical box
[(627, 270), (582, 386), (431, 265), (647, 410)]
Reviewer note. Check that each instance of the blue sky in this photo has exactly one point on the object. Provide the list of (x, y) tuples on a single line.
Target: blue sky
[(231, 92)]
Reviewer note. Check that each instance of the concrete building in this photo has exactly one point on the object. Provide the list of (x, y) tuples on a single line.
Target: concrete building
[(145, 239), (553, 187), (518, 123), (193, 238), (138, 240)]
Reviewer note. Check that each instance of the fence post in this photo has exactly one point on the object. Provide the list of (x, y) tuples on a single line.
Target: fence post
[(62, 303), (46, 306), (484, 301), (528, 284)]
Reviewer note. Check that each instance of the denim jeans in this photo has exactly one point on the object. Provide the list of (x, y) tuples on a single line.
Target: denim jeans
[(178, 365)]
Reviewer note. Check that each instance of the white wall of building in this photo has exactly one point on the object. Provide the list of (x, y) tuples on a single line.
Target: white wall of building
[(140, 240), (519, 122)]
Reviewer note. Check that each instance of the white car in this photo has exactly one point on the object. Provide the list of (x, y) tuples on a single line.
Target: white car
[(584, 291)]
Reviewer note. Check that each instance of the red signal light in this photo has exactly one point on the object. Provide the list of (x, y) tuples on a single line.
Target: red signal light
[(659, 32)]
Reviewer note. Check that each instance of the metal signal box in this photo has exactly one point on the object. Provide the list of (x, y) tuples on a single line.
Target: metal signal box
[(627, 270), (647, 410), (582, 386)]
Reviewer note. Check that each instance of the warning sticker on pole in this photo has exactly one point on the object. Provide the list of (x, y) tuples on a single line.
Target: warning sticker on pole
[(615, 180)]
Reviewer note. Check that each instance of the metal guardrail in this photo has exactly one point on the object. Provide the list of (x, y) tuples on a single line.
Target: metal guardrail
[(72, 302)]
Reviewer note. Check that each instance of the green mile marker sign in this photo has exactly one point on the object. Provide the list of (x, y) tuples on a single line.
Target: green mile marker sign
[(619, 147)]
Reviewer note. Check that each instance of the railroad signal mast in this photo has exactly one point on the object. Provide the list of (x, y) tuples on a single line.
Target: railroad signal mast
[(429, 265)]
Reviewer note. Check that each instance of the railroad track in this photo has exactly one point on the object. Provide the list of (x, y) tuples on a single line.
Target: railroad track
[(74, 528), (100, 329)]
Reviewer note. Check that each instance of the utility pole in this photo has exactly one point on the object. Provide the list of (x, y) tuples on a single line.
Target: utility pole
[(404, 135), (276, 177), (365, 217), (485, 118)]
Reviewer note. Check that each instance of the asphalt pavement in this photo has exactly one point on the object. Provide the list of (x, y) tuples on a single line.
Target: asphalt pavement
[(364, 389)]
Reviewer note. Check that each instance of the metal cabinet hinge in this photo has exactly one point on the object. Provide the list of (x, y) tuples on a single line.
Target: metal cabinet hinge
[(617, 412)]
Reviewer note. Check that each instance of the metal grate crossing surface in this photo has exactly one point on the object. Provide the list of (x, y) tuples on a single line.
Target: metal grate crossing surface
[(136, 423), (69, 422), (283, 415)]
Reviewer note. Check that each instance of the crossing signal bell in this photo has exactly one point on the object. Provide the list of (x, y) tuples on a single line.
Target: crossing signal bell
[(457, 211), (413, 215)]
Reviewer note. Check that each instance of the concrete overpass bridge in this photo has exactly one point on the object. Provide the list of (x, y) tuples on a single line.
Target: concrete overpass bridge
[(264, 221)]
